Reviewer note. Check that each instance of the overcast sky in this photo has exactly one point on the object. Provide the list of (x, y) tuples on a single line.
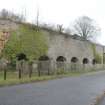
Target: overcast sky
[(60, 11)]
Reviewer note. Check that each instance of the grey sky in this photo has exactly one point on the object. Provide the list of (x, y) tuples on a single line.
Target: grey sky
[(60, 11)]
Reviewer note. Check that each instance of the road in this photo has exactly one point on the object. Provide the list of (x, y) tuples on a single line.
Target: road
[(79, 90), (103, 102)]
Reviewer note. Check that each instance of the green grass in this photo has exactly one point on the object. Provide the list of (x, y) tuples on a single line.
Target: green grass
[(12, 77)]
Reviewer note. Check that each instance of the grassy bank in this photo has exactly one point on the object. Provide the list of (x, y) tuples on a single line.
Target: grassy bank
[(12, 78)]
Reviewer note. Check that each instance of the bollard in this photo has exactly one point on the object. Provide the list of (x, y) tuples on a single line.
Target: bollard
[(30, 70), (39, 67)]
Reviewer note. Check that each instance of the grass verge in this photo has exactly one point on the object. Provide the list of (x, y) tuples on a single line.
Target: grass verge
[(12, 78)]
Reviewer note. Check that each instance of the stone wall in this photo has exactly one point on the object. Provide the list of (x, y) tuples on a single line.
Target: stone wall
[(62, 45), (6, 26), (66, 46)]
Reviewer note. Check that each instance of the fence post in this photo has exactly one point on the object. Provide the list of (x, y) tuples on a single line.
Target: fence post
[(30, 69), (30, 73), (49, 67), (20, 69), (38, 69), (19, 73), (5, 72), (39, 72)]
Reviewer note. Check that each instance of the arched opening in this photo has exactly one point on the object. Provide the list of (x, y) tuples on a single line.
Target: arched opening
[(74, 59), (61, 59), (85, 61), (94, 62), (44, 58), (21, 56), (44, 65), (60, 63), (21, 64)]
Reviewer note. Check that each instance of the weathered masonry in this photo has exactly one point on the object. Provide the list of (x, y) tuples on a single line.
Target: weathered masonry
[(72, 49), (6, 26), (62, 48)]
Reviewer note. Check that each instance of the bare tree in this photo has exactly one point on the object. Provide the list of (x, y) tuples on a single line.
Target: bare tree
[(60, 28), (86, 27)]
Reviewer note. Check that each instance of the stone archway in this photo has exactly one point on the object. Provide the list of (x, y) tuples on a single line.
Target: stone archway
[(74, 65), (44, 65), (61, 59), (44, 58), (74, 59), (85, 61), (22, 64), (21, 56)]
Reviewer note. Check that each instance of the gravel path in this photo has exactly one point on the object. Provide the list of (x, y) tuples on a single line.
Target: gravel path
[(79, 90)]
